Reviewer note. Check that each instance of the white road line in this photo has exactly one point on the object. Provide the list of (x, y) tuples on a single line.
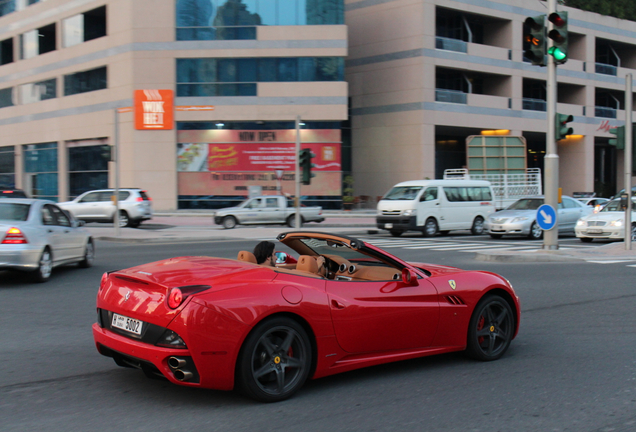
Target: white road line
[(610, 262), (442, 247)]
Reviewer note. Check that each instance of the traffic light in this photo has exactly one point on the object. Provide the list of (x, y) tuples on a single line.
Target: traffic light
[(559, 36), (304, 160), (534, 40), (106, 152), (619, 141), (561, 127)]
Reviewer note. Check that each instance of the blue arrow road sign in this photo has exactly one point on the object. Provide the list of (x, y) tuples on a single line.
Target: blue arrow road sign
[(546, 217)]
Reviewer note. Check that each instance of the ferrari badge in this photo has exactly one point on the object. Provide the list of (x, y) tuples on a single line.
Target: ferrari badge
[(452, 284)]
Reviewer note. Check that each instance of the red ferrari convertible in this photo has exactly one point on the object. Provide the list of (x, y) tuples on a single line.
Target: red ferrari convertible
[(341, 304)]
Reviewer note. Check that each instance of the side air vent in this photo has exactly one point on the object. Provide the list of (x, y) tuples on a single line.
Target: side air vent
[(342, 268), (455, 300)]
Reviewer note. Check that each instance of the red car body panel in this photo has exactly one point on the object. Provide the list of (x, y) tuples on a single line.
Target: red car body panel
[(351, 324)]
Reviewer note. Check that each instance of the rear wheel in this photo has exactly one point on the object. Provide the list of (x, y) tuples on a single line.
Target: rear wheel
[(45, 266), (430, 227), (291, 221), (478, 226), (229, 222), (586, 240), (274, 361), (535, 232), (634, 232), (396, 233), (89, 255), (124, 220), (491, 329)]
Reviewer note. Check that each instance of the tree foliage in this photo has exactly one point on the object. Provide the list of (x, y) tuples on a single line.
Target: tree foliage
[(624, 9)]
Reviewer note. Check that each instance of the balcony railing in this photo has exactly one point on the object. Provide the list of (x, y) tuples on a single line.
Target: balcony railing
[(450, 96), (606, 69), (534, 104), (605, 112), (451, 44)]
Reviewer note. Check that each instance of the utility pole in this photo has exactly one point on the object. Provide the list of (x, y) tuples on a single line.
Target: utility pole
[(297, 200), (551, 161), (116, 160), (629, 143)]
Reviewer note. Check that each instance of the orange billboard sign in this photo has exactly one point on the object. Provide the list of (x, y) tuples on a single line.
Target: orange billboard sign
[(154, 109)]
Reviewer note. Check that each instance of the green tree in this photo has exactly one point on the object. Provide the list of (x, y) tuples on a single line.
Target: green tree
[(624, 9)]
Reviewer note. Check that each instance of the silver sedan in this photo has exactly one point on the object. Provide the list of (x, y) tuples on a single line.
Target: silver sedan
[(36, 236), (521, 217)]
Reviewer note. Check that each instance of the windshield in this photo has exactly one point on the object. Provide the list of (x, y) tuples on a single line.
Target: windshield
[(526, 204), (14, 212), (330, 247), (615, 206), (403, 193)]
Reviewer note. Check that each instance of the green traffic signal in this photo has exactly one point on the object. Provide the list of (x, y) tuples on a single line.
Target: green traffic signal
[(619, 141), (561, 128), (559, 36), (534, 40), (304, 161)]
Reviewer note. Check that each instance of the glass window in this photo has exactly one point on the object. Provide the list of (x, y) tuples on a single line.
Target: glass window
[(47, 216), (6, 97), (287, 69), (60, 217), (40, 168), (247, 70), (29, 44), (430, 194), (227, 70), (86, 81), (90, 197), (267, 10), (272, 203), (35, 92), (307, 69), (287, 12), (6, 51), (14, 212), (7, 167), (94, 23), (73, 30), (267, 70), (403, 193)]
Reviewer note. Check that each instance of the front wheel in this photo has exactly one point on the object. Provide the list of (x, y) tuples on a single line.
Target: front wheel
[(490, 329), (430, 227), (229, 222), (535, 232), (275, 360), (45, 266), (291, 221), (478, 226)]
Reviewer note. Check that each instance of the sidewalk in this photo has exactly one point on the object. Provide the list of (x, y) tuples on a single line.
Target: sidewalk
[(189, 226)]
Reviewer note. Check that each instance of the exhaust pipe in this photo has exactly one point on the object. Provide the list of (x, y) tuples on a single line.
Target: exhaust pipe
[(183, 375), (176, 362)]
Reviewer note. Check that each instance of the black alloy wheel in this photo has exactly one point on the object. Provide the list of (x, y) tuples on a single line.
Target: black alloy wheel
[(478, 226), (491, 329), (430, 228), (275, 360)]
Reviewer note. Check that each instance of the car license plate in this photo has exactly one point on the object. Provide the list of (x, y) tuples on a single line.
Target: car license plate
[(595, 231), (496, 227), (388, 226), (127, 324)]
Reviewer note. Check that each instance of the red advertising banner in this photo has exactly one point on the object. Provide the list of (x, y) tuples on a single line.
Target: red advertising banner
[(269, 157), (154, 109)]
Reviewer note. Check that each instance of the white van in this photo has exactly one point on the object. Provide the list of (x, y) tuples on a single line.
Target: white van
[(433, 206)]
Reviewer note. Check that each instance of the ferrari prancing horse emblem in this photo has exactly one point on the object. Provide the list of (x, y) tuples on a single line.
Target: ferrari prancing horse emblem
[(452, 284)]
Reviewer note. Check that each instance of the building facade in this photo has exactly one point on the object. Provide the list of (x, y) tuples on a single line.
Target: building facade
[(424, 75), (237, 72)]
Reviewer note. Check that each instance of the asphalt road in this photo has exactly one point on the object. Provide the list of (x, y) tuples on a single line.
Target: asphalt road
[(572, 367)]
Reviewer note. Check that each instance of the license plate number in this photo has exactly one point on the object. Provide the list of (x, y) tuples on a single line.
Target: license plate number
[(388, 225), (127, 324), (594, 231)]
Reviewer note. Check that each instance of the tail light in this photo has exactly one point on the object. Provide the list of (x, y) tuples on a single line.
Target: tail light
[(140, 199), (176, 296), (14, 236)]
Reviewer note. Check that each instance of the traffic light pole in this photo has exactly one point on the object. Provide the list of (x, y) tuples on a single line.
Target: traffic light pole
[(297, 199), (551, 160), (628, 160)]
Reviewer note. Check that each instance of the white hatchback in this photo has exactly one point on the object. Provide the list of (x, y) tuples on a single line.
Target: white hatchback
[(609, 223)]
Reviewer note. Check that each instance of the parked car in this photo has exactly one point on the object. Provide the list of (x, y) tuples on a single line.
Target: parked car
[(520, 217), (135, 206), (36, 236), (270, 209), (340, 304), (596, 203), (12, 193), (609, 223)]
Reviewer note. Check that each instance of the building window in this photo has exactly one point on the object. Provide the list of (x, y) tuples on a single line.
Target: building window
[(86, 81), (6, 51), (237, 19), (238, 77), (6, 97), (7, 167), (40, 169), (8, 6), (39, 91), (84, 27), (38, 41), (88, 169)]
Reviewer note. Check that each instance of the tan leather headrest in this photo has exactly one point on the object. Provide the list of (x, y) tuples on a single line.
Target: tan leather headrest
[(246, 257), (307, 263)]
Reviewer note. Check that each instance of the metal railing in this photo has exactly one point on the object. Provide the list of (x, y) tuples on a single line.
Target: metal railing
[(605, 112), (450, 96), (606, 69), (451, 44), (534, 104)]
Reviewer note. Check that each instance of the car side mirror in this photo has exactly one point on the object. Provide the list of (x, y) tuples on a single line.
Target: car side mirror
[(409, 277)]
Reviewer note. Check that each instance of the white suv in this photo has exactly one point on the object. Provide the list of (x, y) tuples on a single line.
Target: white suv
[(135, 206)]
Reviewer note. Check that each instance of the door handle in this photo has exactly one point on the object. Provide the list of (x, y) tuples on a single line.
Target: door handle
[(49, 230), (337, 305)]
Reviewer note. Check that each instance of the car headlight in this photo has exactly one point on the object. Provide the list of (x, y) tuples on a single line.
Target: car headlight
[(409, 212), (616, 223), (519, 219), (581, 223)]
